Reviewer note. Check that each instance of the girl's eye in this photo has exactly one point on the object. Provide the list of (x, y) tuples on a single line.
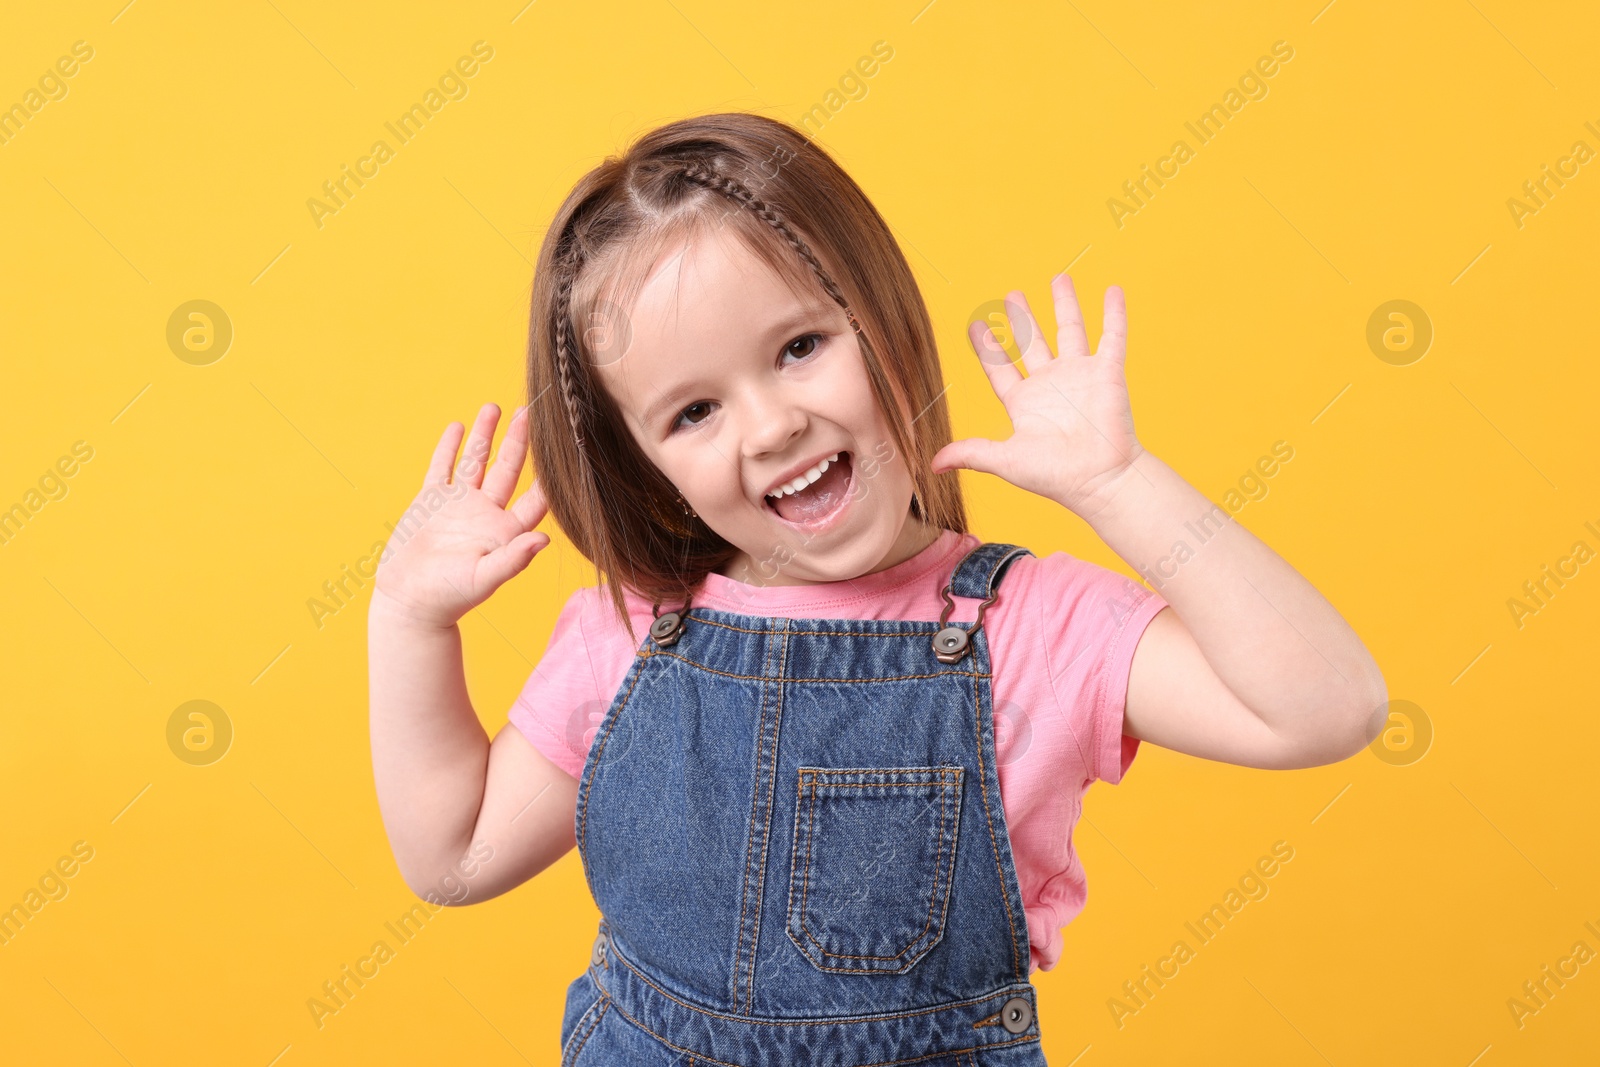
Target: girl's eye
[(688, 413), (700, 410), (804, 340)]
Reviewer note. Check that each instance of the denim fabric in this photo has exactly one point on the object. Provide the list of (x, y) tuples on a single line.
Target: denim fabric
[(794, 833)]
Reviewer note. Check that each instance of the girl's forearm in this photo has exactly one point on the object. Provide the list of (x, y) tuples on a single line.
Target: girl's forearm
[(1276, 642), (429, 751)]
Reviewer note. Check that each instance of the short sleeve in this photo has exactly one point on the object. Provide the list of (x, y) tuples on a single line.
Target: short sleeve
[(571, 687), (1092, 619)]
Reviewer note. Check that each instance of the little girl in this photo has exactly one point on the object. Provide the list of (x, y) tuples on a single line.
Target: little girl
[(821, 749)]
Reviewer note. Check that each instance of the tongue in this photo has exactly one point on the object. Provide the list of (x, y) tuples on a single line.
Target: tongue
[(820, 497)]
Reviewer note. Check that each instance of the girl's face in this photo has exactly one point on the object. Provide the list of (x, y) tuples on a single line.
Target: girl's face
[(735, 387)]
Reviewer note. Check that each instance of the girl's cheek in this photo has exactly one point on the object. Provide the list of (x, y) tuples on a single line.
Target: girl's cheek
[(882, 453)]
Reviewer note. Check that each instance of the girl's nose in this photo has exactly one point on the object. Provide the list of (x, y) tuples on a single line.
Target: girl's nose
[(771, 424)]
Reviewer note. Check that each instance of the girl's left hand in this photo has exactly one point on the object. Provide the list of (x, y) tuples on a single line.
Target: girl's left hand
[(1072, 435)]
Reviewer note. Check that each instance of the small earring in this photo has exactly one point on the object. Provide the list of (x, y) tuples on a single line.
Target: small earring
[(687, 510)]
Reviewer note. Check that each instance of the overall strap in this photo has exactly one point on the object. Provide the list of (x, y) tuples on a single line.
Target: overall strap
[(977, 575)]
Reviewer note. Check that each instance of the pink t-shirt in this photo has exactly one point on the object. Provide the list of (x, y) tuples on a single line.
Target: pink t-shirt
[(1061, 641)]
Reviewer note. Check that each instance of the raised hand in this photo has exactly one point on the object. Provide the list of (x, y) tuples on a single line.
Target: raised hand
[(458, 542), (1072, 426)]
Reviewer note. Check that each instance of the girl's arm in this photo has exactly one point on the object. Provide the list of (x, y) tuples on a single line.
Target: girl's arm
[(467, 820), (1251, 665)]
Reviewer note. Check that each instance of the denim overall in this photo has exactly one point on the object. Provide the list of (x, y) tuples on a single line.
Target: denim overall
[(793, 830)]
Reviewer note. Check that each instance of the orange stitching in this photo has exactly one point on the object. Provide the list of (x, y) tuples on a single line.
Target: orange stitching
[(796, 1022), (583, 828), (577, 1027), (931, 627), (744, 896), (592, 1027), (794, 851), (766, 832), (933, 892), (988, 816), (757, 678), (880, 1063), (925, 776), (601, 1014), (946, 777), (937, 782), (988, 1021), (568, 1057), (938, 869), (811, 836)]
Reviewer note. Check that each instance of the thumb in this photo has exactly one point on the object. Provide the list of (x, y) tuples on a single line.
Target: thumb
[(511, 558), (973, 453)]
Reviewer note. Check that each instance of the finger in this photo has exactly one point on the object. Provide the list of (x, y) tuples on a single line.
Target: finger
[(444, 454), (1114, 332), (475, 456), (502, 477), (511, 558), (1025, 328), (972, 453), (531, 506), (1003, 374), (1071, 340)]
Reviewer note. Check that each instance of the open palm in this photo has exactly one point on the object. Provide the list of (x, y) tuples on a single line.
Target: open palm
[(458, 542), (1072, 434)]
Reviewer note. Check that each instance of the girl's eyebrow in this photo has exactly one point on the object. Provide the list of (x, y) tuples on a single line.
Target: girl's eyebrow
[(669, 399), (801, 316)]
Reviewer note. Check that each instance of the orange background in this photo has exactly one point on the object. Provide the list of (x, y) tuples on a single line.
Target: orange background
[(176, 563)]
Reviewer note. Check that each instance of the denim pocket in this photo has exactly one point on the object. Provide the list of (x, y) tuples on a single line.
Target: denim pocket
[(584, 1007), (873, 858)]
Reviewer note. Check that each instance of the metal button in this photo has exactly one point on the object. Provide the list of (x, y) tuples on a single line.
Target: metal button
[(1016, 1014), (666, 628), (598, 955), (949, 644)]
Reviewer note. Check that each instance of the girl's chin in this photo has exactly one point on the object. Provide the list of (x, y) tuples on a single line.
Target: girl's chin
[(799, 560)]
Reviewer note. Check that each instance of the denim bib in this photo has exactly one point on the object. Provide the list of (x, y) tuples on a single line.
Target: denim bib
[(793, 831)]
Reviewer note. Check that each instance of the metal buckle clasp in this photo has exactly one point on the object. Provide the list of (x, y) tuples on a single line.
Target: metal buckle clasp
[(666, 629), (952, 641)]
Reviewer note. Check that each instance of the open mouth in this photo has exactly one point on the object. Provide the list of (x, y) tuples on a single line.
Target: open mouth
[(816, 497)]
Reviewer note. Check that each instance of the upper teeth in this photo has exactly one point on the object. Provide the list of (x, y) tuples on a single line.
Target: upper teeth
[(803, 480)]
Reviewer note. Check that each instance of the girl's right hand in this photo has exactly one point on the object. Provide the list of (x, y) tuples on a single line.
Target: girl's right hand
[(458, 542)]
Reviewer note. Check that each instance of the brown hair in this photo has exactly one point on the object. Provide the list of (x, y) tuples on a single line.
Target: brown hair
[(792, 205)]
